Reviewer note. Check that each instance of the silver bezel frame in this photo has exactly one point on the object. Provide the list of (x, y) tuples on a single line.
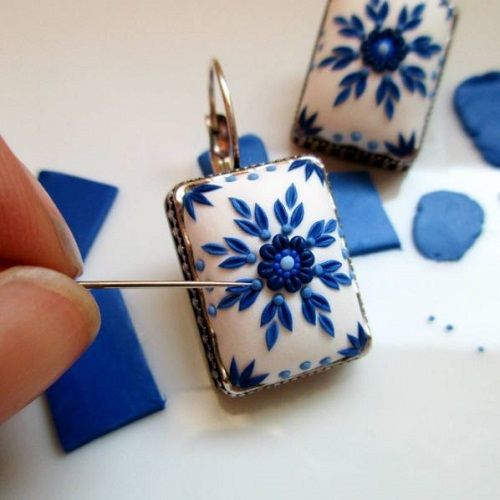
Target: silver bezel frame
[(175, 215), (354, 153)]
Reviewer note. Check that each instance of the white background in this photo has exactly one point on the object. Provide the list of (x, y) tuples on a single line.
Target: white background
[(115, 90)]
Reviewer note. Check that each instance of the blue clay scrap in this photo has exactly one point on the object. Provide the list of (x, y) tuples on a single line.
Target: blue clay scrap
[(446, 225), (477, 103)]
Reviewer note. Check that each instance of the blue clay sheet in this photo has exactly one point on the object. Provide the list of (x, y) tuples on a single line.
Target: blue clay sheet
[(111, 384), (84, 204), (365, 224), (477, 103), (366, 227), (446, 225)]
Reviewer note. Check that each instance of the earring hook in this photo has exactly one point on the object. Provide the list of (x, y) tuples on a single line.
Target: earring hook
[(224, 147)]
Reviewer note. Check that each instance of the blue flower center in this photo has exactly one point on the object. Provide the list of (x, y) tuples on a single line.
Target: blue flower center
[(384, 50), (286, 263)]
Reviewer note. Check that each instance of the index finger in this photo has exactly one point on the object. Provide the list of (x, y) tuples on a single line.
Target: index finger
[(32, 231)]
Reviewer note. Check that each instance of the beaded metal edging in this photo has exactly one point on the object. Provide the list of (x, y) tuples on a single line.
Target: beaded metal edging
[(354, 153), (174, 212)]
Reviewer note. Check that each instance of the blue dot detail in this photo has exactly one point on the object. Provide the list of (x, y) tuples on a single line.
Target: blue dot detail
[(305, 365), (372, 145), (230, 178), (251, 258), (326, 361), (480, 349), (285, 374), (338, 137), (449, 328), (356, 136), (286, 229), (256, 285), (306, 293), (253, 176), (212, 310), (278, 300), (318, 270), (431, 318), (265, 234), (271, 168), (200, 265)]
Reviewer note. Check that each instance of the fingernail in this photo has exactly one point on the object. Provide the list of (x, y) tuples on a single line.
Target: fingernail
[(64, 235), (46, 322)]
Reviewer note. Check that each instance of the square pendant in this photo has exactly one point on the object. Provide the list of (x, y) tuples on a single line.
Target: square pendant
[(274, 228), (372, 79)]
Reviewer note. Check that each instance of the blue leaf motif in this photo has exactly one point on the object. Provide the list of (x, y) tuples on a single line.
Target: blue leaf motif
[(248, 299), (241, 207), (247, 372), (196, 195), (358, 343), (297, 216), (329, 281), (342, 97), (233, 262), (330, 226), (316, 229), (272, 334), (214, 249), (261, 217), (325, 241), (228, 301), (237, 245), (205, 188), (285, 316), (320, 302), (280, 212), (343, 279), (309, 312), (248, 227), (327, 325), (330, 266), (268, 313), (291, 196)]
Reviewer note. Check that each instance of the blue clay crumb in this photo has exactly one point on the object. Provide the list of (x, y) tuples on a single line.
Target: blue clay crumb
[(449, 328), (431, 318), (480, 349)]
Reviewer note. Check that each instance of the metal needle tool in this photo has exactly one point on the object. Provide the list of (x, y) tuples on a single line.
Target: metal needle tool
[(159, 284)]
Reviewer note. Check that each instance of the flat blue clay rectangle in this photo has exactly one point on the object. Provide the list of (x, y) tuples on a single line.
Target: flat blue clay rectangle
[(83, 203), (111, 384), (365, 224)]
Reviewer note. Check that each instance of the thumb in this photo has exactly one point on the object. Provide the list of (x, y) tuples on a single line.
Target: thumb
[(46, 322)]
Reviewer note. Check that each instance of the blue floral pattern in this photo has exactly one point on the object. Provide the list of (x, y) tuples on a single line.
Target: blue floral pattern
[(382, 50), (245, 378), (285, 263), (358, 344)]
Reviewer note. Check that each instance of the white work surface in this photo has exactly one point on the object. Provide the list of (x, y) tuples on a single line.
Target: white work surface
[(115, 91)]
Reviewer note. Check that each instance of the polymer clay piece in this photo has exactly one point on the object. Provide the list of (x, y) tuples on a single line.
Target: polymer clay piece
[(477, 103), (274, 228), (446, 225), (372, 79), (111, 385)]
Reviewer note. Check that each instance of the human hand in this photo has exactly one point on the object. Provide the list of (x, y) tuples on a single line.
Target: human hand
[(46, 319)]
